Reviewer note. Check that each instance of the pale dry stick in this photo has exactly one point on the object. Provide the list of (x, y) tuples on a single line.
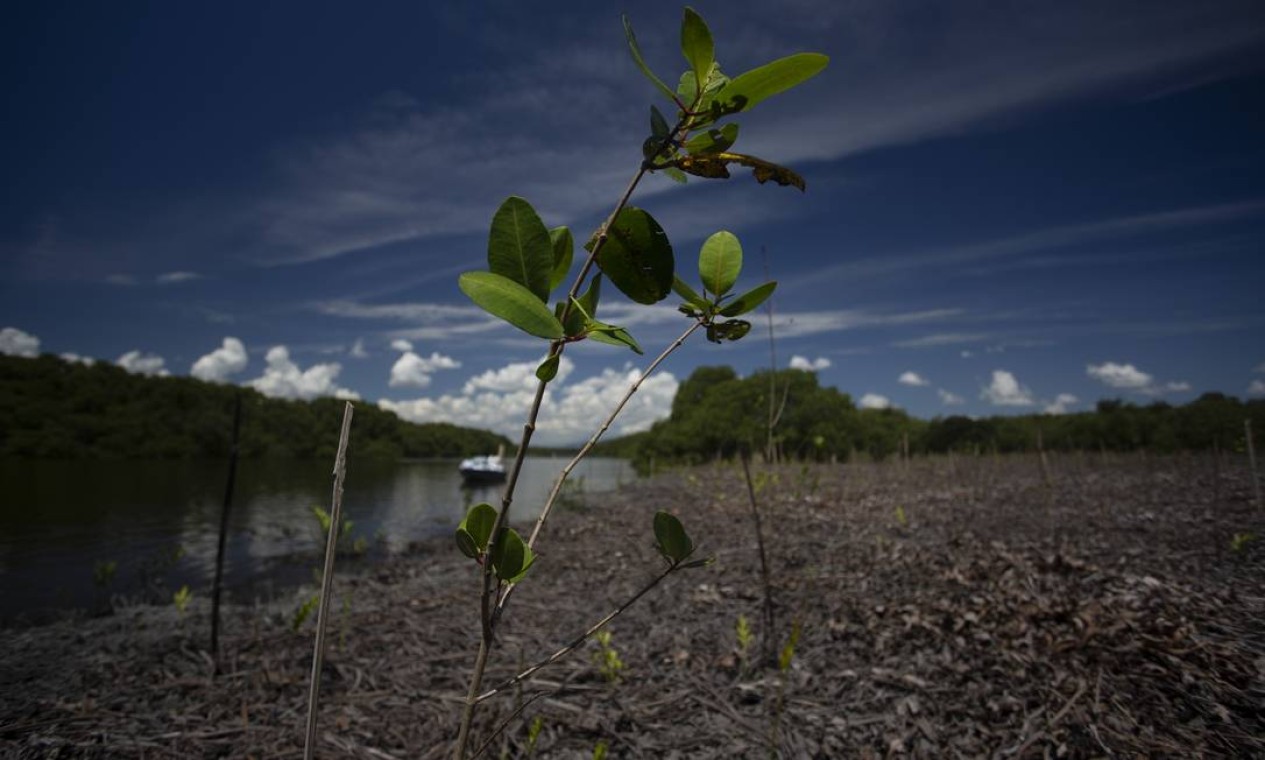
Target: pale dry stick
[(327, 583), (578, 640)]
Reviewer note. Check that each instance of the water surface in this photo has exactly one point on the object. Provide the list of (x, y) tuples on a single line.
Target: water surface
[(62, 523)]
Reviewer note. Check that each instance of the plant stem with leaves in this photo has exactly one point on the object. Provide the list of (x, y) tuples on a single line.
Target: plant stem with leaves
[(527, 261)]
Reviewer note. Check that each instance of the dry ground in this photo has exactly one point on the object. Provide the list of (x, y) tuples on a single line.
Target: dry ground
[(948, 608)]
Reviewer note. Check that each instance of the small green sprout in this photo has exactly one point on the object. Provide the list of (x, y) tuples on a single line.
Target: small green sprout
[(608, 662), (745, 636), (304, 611), (103, 572), (181, 598)]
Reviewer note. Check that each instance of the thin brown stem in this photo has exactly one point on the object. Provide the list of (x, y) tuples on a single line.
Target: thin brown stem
[(769, 622), (588, 446), (578, 640), (597, 436), (327, 584), (505, 723)]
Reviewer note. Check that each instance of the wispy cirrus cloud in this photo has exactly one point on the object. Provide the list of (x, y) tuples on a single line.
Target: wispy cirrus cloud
[(413, 168), (1050, 238)]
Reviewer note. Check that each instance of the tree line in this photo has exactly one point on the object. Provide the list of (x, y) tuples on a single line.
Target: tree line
[(717, 414), (50, 408)]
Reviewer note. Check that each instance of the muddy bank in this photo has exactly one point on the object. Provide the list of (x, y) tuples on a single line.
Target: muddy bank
[(956, 607)]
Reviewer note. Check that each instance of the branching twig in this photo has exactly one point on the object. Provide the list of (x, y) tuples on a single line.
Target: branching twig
[(517, 712), (588, 446), (327, 582), (578, 640)]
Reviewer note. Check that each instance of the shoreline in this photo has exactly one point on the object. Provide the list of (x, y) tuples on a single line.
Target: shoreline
[(989, 614)]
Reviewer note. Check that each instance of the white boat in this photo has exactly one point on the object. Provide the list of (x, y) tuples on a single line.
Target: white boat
[(483, 469)]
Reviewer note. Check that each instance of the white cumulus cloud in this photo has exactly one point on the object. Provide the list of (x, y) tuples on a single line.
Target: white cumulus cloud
[(15, 342), (499, 400), (874, 401), (912, 378), (414, 371), (143, 364), (229, 359), (811, 365), (1119, 375), (1257, 388), (284, 379), (518, 376), (948, 398), (1060, 404), (1005, 390), (357, 350), (74, 358), (1129, 377), (399, 344)]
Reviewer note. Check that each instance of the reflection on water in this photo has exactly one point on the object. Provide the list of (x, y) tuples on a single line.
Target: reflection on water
[(62, 523)]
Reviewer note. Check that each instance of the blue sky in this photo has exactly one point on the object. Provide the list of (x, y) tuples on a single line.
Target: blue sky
[(1009, 209)]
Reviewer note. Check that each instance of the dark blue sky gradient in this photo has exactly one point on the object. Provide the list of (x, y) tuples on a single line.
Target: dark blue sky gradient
[(1041, 193)]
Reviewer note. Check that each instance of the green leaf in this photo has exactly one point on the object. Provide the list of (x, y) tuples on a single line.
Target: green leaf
[(519, 247), (504, 298), (676, 174), (670, 537), (714, 140), (563, 250), (583, 308), (692, 298), (511, 557), (658, 125), (637, 256), (465, 542), (641, 62), (749, 300), (747, 89), (612, 335), (475, 529), (687, 87), (697, 45), (719, 262), (732, 330), (548, 369)]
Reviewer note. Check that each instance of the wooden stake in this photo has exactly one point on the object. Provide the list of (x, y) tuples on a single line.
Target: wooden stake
[(327, 583)]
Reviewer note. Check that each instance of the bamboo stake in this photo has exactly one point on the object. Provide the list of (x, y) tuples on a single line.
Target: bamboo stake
[(327, 583)]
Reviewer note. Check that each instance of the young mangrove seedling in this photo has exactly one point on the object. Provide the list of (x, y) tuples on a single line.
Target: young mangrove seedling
[(527, 262)]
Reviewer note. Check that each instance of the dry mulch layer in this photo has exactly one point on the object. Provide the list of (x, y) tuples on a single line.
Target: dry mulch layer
[(956, 607)]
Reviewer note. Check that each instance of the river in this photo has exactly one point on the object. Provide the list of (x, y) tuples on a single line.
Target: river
[(79, 534)]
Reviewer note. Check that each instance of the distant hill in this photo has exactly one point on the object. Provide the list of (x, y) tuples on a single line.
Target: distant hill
[(50, 408)]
